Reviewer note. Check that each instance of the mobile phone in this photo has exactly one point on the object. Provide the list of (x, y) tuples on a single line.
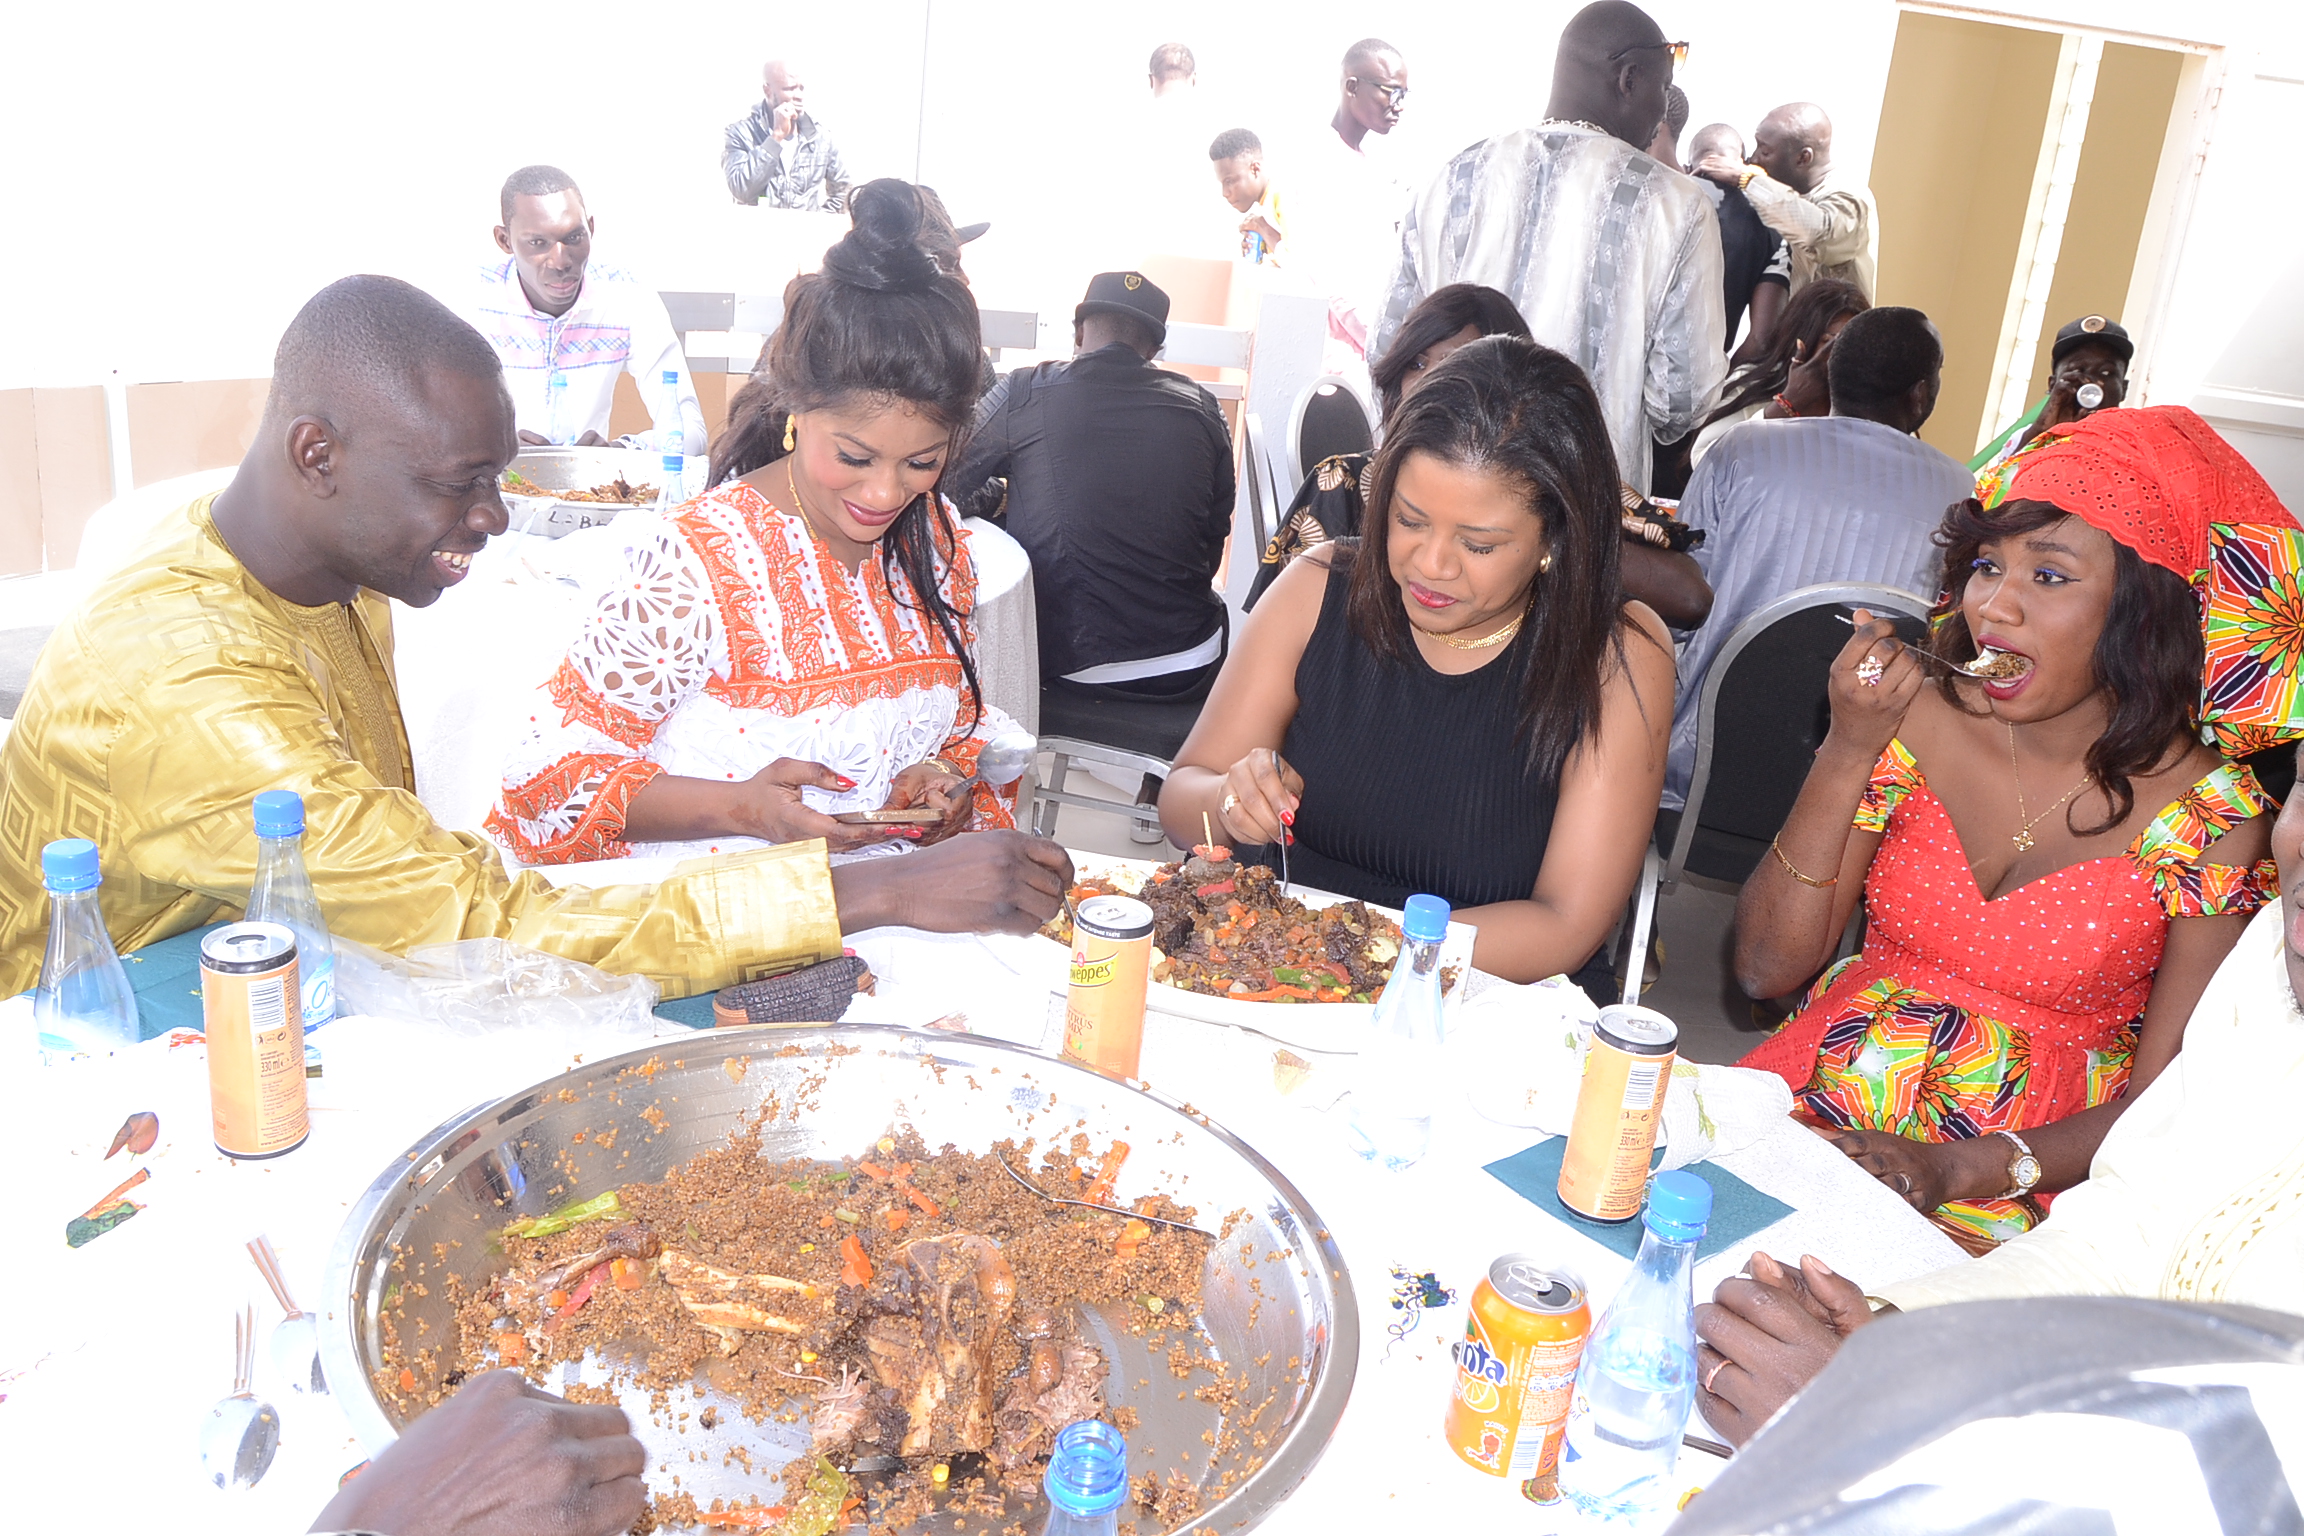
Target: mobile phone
[(899, 818)]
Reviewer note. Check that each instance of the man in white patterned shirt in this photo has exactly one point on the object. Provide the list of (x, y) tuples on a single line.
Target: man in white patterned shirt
[(566, 326), (1612, 257), (778, 155)]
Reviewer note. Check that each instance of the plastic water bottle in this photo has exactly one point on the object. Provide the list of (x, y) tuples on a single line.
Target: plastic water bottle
[(1087, 1480), (1637, 1381), (1388, 1119), (84, 1006), (672, 435), (283, 895)]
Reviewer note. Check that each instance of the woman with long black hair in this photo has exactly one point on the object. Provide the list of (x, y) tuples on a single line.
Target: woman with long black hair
[(1463, 701), (795, 643)]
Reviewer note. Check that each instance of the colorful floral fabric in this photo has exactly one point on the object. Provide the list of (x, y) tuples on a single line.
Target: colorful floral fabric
[(1965, 1016)]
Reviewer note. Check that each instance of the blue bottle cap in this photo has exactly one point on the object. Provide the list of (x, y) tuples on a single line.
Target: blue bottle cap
[(672, 376), (1088, 1469), (1425, 918), (69, 864), (279, 813), (1679, 1204)]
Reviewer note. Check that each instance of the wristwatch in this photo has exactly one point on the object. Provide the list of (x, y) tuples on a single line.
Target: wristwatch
[(2023, 1168)]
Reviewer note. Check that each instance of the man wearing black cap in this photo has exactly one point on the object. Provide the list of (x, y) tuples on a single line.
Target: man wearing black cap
[(2088, 372), (2091, 350), (1120, 488)]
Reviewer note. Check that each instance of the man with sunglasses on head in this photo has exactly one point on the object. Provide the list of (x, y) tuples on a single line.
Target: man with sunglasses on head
[(1611, 256), (1830, 229)]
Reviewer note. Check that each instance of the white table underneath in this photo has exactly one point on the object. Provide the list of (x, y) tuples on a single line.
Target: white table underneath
[(110, 1353)]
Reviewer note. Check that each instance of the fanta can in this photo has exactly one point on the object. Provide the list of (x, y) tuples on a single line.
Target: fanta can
[(1516, 1371)]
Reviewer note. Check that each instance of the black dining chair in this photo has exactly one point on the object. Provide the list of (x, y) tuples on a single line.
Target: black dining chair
[(1330, 418)]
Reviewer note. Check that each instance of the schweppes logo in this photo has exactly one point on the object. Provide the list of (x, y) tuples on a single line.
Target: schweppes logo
[(1092, 973)]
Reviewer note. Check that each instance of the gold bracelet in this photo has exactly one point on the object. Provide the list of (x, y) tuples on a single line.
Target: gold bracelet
[(1746, 177), (1789, 868)]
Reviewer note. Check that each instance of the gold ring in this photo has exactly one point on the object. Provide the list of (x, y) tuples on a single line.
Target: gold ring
[(1231, 804), (1714, 1374), (1868, 671)]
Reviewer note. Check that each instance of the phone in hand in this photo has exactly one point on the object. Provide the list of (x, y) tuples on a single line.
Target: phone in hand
[(911, 816)]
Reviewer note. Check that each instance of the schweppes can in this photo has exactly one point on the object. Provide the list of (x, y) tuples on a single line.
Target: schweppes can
[(1111, 970), (253, 1004), (1604, 1172)]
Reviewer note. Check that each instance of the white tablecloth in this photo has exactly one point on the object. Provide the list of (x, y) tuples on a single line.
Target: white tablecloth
[(468, 662), (110, 1353)]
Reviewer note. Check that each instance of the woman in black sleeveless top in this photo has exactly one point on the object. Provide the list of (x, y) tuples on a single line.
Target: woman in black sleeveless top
[(1465, 703)]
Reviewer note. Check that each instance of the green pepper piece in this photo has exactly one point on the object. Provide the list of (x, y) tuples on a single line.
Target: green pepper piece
[(594, 1209)]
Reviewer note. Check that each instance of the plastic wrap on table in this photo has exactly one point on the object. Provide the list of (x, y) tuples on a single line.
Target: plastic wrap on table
[(479, 986)]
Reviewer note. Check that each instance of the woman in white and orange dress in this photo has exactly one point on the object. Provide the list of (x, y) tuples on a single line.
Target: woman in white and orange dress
[(797, 642)]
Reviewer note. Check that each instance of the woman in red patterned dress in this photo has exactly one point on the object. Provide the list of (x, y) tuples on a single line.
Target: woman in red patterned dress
[(797, 642), (2052, 863)]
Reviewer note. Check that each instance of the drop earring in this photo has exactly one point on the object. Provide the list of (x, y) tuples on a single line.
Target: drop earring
[(791, 433)]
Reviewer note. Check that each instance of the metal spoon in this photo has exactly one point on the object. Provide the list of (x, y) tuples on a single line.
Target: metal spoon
[(1181, 1226), (1964, 668), (240, 1434), (1005, 757), (296, 1342)]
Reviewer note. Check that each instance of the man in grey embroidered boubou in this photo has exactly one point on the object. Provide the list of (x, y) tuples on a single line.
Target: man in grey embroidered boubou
[(1611, 256)]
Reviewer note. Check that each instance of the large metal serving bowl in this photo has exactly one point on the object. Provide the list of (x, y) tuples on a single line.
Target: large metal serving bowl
[(575, 469), (1278, 1304)]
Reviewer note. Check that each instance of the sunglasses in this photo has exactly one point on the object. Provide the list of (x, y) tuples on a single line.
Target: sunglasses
[(1679, 52), (1393, 94)]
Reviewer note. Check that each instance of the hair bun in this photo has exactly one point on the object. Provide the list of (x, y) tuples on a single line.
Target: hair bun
[(882, 252)]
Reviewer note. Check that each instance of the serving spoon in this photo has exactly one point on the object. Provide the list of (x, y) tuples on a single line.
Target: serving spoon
[(296, 1342), (1114, 1210), (240, 1435)]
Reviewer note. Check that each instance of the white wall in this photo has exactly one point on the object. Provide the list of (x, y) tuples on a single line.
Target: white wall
[(184, 177), (196, 172)]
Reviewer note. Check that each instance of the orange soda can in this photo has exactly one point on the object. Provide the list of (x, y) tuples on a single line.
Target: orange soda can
[(253, 1004), (1516, 1372), (1111, 972), (1604, 1172)]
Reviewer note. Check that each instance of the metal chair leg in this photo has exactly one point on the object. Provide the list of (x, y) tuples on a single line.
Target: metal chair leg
[(1643, 918)]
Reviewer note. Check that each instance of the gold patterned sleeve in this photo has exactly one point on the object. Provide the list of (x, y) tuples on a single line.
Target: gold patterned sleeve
[(208, 732)]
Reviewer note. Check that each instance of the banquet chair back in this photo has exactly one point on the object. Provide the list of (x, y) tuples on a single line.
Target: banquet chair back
[(1330, 418), (1763, 711)]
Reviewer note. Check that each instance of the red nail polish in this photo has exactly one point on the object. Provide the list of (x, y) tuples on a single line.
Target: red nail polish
[(1287, 818), (844, 781)]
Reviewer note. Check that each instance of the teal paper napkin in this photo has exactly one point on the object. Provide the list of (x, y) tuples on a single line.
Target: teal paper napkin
[(1738, 1210), (166, 980)]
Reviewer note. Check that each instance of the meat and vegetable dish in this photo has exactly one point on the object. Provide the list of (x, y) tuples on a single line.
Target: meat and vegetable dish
[(1224, 929), (922, 1309), (618, 491), (1997, 665)]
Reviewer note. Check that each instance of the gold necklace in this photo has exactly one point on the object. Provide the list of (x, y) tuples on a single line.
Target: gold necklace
[(1485, 641), (2023, 837), (798, 505)]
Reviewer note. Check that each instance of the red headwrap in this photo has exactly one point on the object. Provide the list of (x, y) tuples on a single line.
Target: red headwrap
[(2153, 478), (2163, 483)]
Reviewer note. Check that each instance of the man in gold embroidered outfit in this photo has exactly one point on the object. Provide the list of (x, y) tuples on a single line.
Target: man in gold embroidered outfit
[(248, 646)]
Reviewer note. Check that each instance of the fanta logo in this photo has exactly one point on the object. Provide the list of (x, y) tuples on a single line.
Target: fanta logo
[(1094, 973), (1475, 1360)]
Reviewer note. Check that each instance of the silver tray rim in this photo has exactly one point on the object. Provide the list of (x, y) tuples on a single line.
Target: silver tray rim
[(1285, 1467)]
